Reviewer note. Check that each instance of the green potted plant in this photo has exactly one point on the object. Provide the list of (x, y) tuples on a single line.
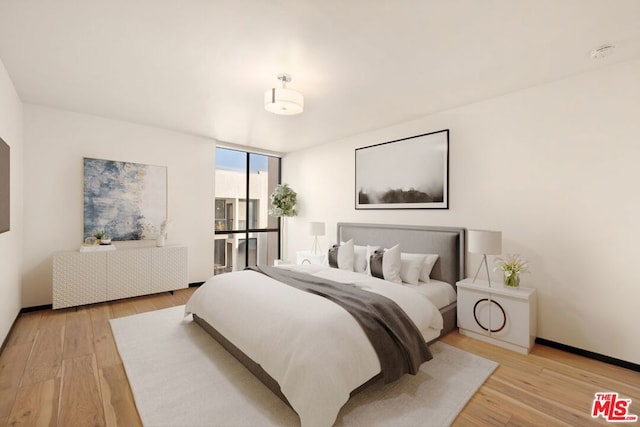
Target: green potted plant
[(103, 238), (283, 201)]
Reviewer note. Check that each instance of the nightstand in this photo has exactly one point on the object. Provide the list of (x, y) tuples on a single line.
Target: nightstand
[(308, 257), (498, 315)]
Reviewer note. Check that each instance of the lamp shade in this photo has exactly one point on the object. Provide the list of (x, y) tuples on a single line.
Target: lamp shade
[(316, 228), (283, 101), (484, 242)]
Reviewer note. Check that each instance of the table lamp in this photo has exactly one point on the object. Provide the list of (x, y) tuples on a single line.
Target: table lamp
[(316, 229), (485, 242)]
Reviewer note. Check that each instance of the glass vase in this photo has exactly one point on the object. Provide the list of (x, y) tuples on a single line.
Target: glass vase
[(511, 280)]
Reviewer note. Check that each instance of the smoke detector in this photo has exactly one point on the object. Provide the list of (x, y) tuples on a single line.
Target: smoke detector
[(603, 51)]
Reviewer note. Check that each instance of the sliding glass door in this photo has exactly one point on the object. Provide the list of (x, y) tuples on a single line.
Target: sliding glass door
[(245, 234)]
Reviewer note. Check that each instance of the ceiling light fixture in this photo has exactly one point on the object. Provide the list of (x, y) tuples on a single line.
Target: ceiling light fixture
[(282, 100)]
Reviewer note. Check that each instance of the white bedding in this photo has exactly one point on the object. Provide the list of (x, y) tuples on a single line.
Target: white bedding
[(313, 348), (440, 293)]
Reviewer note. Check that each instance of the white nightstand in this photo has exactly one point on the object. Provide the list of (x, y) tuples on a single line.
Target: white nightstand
[(308, 257), (498, 315)]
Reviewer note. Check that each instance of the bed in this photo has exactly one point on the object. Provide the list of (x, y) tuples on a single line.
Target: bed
[(447, 242), (308, 350)]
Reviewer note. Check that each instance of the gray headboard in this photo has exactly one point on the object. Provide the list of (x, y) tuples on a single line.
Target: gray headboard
[(448, 242)]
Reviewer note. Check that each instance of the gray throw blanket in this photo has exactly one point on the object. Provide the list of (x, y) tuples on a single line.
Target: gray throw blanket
[(395, 338)]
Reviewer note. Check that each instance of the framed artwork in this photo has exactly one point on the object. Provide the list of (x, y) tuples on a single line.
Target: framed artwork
[(128, 201), (5, 186), (408, 173)]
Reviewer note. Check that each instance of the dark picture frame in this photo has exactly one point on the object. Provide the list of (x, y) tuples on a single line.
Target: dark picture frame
[(407, 173), (5, 186)]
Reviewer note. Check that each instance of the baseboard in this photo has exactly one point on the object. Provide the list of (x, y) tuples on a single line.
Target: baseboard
[(590, 354), (36, 308)]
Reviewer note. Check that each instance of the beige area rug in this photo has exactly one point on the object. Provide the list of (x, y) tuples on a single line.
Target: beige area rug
[(180, 376)]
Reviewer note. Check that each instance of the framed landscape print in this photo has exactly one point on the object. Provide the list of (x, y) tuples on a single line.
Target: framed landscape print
[(408, 173), (128, 201)]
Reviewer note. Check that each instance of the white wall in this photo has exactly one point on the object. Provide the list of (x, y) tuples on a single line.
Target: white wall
[(11, 241), (555, 167), (56, 142)]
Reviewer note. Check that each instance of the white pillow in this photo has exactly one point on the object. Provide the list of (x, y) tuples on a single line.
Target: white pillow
[(411, 267), (427, 266), (429, 262), (385, 264), (359, 258), (341, 256)]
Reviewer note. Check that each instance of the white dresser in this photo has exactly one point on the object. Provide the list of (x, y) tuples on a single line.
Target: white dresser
[(88, 277), (499, 315)]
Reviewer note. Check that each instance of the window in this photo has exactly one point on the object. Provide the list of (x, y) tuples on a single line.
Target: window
[(245, 233)]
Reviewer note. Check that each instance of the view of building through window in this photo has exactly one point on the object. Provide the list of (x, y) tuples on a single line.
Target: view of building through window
[(245, 234)]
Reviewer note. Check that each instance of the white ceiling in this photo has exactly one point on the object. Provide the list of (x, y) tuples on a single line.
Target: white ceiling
[(201, 66)]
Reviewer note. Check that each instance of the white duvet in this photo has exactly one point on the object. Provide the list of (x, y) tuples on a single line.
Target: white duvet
[(313, 348)]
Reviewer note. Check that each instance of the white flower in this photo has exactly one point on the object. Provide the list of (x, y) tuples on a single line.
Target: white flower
[(164, 227), (511, 264)]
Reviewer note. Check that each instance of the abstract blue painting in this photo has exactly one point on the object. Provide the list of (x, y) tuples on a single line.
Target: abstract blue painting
[(128, 201)]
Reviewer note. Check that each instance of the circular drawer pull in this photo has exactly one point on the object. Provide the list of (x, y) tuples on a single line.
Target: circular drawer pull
[(504, 315)]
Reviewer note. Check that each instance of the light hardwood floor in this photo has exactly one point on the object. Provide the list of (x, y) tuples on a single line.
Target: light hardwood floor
[(62, 368)]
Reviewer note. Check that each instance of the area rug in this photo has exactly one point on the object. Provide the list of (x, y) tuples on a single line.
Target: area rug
[(180, 376)]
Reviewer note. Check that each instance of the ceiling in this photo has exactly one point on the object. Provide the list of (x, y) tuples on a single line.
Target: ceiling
[(202, 66)]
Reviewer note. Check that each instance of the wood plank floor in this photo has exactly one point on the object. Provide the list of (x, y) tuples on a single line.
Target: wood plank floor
[(62, 368)]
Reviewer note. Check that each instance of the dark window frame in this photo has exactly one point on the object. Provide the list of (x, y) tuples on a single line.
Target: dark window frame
[(248, 231)]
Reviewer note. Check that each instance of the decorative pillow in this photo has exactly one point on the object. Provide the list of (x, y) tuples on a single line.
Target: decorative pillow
[(359, 258), (429, 262), (341, 256), (370, 251), (411, 267), (385, 264)]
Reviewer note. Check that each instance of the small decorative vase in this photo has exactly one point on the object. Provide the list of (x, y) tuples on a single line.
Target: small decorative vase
[(160, 241), (511, 280)]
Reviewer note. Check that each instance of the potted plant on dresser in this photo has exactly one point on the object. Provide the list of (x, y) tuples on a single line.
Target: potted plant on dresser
[(102, 237)]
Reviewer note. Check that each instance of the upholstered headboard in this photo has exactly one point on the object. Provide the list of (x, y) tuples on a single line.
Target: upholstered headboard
[(448, 242)]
